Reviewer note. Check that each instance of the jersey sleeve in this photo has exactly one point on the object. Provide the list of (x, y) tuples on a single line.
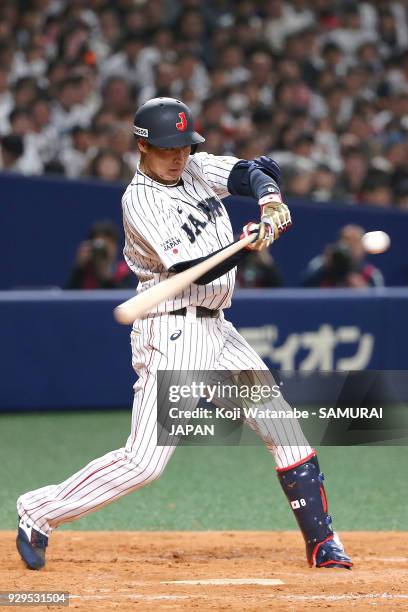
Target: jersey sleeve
[(215, 169), (154, 226)]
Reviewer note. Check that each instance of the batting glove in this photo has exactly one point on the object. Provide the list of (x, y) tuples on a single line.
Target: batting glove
[(275, 212), (266, 234)]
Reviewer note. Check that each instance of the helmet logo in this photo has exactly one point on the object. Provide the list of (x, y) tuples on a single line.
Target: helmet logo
[(140, 131), (182, 124)]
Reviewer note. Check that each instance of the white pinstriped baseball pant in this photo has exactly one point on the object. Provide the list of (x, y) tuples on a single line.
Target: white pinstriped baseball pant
[(204, 344)]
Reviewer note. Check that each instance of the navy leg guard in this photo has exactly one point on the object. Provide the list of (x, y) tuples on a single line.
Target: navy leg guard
[(303, 486)]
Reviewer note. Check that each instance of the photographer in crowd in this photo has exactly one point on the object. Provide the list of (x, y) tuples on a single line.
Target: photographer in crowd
[(97, 266), (343, 264)]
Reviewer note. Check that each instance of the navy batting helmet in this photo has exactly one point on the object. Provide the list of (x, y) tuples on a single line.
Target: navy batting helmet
[(166, 123)]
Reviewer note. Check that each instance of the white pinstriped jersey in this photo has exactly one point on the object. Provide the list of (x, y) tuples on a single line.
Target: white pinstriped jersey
[(165, 225)]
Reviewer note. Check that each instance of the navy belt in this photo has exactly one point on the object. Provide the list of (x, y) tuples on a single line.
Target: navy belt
[(201, 311)]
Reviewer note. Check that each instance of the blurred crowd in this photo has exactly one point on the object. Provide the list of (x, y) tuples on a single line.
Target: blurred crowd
[(99, 265), (320, 85), (341, 264)]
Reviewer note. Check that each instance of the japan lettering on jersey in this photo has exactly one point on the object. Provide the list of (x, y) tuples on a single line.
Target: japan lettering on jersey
[(165, 225)]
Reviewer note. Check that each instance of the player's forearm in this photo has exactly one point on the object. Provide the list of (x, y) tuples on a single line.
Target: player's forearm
[(215, 272), (255, 178)]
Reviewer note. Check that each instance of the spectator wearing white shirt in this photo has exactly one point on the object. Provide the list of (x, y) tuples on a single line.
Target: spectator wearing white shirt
[(109, 32), (165, 83), (127, 62), (78, 152), (70, 108), (22, 124), (6, 101), (44, 136), (352, 33), (283, 19), (232, 60), (191, 73)]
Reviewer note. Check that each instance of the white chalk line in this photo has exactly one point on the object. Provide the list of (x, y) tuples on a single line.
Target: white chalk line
[(385, 559), (227, 581), (349, 596), (129, 596), (204, 582), (345, 597)]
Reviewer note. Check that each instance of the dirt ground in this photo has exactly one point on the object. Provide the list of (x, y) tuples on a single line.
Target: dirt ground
[(146, 570)]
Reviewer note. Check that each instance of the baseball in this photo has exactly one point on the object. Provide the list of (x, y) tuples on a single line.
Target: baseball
[(376, 242)]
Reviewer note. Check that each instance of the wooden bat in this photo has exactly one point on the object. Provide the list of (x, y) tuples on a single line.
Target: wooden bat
[(137, 306)]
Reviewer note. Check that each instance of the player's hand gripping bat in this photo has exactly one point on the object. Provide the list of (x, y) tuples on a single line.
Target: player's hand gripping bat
[(275, 220)]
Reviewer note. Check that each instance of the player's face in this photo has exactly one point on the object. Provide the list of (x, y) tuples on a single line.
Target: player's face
[(164, 165)]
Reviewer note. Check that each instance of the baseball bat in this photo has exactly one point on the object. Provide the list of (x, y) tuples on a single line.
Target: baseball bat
[(137, 306)]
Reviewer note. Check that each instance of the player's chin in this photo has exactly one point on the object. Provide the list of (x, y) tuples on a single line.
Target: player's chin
[(174, 174)]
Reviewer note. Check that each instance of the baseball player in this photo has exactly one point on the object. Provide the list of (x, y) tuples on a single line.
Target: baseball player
[(173, 218)]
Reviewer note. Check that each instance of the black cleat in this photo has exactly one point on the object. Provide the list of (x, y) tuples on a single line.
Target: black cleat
[(31, 545), (330, 553)]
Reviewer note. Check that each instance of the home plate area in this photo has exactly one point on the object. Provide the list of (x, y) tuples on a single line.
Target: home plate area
[(211, 571)]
